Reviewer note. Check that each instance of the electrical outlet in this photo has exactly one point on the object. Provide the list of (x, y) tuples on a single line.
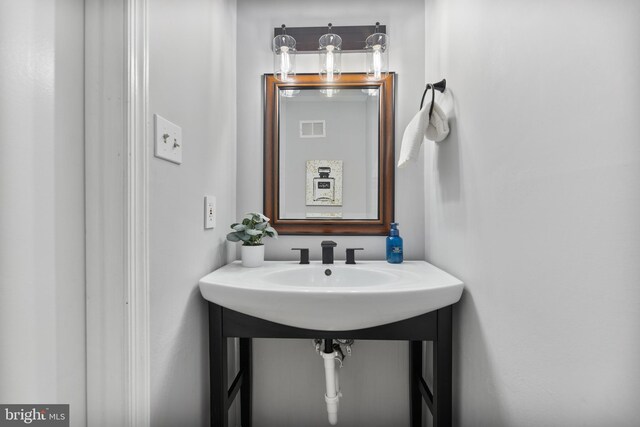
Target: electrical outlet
[(168, 140), (209, 212)]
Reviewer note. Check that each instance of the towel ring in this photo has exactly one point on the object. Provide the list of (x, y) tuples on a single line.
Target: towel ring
[(440, 87)]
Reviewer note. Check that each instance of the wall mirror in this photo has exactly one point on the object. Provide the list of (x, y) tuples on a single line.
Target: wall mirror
[(329, 154)]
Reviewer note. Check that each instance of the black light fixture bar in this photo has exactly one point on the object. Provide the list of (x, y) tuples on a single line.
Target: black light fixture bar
[(353, 37)]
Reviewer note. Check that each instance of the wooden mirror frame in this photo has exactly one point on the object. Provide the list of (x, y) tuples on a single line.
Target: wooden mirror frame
[(386, 157)]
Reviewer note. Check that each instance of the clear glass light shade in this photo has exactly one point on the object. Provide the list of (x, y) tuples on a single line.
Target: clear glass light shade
[(371, 92), (330, 92), (330, 57), (377, 57), (289, 93), (284, 57)]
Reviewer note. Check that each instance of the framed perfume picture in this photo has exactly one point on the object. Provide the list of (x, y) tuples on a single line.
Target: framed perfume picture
[(324, 183)]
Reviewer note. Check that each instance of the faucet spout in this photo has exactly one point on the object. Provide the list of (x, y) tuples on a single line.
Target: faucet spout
[(327, 251)]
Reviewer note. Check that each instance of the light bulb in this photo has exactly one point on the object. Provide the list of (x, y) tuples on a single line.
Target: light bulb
[(370, 92), (377, 61), (330, 93), (329, 63), (285, 62), (330, 58), (289, 93)]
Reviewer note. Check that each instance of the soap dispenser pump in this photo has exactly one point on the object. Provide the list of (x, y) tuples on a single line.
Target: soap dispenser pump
[(394, 245)]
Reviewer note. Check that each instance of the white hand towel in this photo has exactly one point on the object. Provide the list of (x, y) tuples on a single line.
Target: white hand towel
[(438, 127), (420, 127)]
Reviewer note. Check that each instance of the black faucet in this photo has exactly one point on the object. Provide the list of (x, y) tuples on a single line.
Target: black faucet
[(327, 251), (304, 254)]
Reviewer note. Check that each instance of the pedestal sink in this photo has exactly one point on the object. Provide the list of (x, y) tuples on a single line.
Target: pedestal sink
[(332, 297)]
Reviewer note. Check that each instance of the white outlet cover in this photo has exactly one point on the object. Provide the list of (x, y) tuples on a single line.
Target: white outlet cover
[(168, 140), (209, 212)]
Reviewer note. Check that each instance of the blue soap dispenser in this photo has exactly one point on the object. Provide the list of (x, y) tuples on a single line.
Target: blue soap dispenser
[(394, 245)]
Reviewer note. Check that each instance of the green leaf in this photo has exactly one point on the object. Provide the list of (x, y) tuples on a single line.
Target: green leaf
[(233, 237), (272, 232), (253, 227), (258, 217)]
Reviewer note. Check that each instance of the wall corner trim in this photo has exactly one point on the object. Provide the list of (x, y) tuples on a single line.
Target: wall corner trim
[(116, 213), (137, 213)]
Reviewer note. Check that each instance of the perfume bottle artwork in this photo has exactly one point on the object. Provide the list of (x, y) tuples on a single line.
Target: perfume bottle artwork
[(324, 183), (324, 186)]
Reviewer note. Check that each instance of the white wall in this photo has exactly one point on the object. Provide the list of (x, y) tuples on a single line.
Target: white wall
[(375, 379), (42, 310), (534, 202), (192, 83)]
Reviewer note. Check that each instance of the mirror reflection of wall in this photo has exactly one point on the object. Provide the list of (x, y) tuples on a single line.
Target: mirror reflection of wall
[(335, 134)]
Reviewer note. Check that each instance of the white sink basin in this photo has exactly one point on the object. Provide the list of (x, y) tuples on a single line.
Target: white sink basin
[(370, 293)]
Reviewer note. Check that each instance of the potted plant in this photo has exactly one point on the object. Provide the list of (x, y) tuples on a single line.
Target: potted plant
[(250, 231)]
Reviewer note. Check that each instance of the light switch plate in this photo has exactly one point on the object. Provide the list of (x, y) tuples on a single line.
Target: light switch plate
[(209, 212), (168, 140)]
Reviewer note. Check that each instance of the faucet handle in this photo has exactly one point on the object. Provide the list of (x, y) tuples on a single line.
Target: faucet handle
[(304, 254), (351, 255)]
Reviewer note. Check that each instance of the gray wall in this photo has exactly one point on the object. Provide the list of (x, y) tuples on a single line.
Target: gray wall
[(42, 287), (289, 381), (192, 83), (534, 202)]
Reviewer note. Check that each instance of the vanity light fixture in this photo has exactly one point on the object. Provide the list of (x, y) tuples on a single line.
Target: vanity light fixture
[(377, 57), (330, 55), (329, 46), (284, 56)]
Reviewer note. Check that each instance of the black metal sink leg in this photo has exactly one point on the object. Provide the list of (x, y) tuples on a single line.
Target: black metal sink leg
[(440, 400), (442, 370), (246, 355), (217, 368), (415, 374)]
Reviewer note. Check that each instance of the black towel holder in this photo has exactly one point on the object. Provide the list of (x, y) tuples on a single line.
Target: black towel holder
[(439, 86)]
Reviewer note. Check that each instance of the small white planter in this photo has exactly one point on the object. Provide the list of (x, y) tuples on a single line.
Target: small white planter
[(252, 256)]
